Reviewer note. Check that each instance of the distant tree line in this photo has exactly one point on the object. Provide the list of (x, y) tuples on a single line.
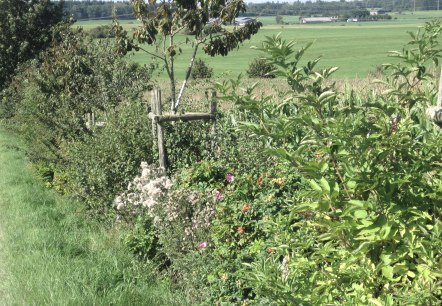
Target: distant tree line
[(95, 9), (336, 8)]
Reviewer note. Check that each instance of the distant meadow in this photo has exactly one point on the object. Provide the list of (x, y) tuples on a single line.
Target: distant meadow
[(357, 48)]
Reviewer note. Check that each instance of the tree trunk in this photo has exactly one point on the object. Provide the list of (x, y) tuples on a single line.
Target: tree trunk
[(189, 70)]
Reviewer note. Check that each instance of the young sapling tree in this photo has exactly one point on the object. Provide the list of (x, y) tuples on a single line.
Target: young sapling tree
[(205, 20)]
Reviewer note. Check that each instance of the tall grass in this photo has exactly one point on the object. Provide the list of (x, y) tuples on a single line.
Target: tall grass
[(52, 254)]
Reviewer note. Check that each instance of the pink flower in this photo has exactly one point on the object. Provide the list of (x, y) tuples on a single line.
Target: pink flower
[(219, 195), (230, 177), (203, 245)]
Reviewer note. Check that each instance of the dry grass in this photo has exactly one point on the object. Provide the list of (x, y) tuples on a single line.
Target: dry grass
[(198, 91)]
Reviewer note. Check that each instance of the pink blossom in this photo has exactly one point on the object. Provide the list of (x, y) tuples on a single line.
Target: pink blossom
[(203, 245), (230, 177), (219, 195)]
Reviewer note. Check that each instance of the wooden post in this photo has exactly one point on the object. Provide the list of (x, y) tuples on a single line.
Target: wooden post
[(153, 112), (213, 110), (439, 92), (158, 119), (213, 104), (157, 127), (89, 121)]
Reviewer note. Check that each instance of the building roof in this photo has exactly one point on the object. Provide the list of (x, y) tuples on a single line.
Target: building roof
[(317, 19)]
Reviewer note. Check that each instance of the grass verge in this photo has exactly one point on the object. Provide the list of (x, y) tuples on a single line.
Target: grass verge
[(52, 254)]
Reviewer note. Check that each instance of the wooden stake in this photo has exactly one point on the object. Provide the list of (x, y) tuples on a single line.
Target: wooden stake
[(439, 95), (157, 111), (89, 121), (181, 117), (213, 104), (213, 110)]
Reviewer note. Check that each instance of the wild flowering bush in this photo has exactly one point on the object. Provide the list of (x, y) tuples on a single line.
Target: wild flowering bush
[(237, 232), (181, 217), (363, 226), (145, 190)]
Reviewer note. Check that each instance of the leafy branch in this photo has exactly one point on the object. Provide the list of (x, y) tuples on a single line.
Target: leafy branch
[(162, 21)]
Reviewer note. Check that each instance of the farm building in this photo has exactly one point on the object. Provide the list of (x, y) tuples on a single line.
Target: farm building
[(304, 20), (377, 12), (243, 20)]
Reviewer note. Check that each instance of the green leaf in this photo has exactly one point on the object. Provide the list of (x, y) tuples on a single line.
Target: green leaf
[(324, 205), (351, 184), (360, 214), (315, 186), (324, 184), (326, 96), (375, 302), (357, 203), (324, 166), (387, 272)]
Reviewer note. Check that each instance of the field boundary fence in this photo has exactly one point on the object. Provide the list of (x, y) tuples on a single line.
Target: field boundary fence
[(158, 120)]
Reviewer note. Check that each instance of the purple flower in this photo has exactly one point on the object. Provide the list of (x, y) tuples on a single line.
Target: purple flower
[(230, 177), (219, 195), (203, 245)]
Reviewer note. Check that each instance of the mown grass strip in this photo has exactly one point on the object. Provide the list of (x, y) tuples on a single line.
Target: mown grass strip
[(52, 254)]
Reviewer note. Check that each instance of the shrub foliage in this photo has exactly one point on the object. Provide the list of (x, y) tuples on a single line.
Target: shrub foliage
[(25, 31), (201, 70), (261, 68), (364, 224), (321, 197), (346, 209), (48, 101)]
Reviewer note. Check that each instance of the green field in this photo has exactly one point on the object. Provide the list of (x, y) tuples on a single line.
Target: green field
[(356, 48)]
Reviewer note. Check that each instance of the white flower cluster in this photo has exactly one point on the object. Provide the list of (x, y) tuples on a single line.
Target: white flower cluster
[(285, 269), (182, 217), (145, 190)]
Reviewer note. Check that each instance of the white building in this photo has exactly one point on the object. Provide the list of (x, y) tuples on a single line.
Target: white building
[(305, 20), (241, 21)]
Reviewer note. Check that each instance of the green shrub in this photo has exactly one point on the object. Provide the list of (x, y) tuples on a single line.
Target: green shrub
[(103, 31), (201, 70), (27, 28), (279, 19), (48, 101), (260, 68), (187, 143), (361, 222), (322, 198), (101, 165), (142, 240)]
